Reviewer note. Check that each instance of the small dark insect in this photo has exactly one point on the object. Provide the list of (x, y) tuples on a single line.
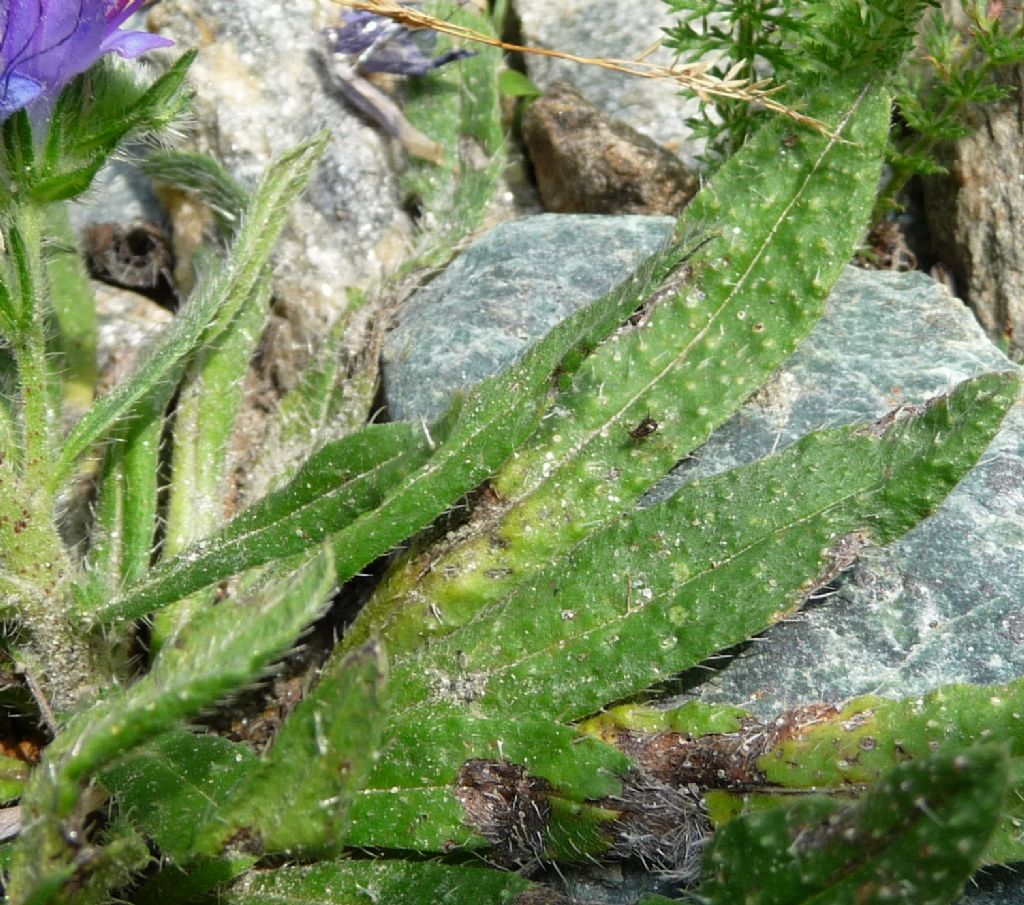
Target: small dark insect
[(137, 257), (789, 140), (644, 429)]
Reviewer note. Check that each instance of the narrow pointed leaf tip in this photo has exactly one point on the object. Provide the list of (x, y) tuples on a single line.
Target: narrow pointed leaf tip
[(46, 43), (914, 839)]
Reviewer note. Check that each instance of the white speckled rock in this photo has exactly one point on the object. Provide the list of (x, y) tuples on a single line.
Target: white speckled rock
[(259, 91)]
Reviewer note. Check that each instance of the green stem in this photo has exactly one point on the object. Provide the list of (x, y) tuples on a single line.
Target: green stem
[(73, 310), (67, 664), (36, 411)]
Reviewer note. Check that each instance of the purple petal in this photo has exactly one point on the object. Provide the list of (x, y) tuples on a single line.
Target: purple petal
[(19, 24), (46, 43), (130, 44), (17, 92), (381, 46), (119, 11), (360, 31)]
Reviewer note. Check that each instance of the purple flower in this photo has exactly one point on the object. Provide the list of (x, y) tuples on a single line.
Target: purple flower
[(46, 43), (377, 44)]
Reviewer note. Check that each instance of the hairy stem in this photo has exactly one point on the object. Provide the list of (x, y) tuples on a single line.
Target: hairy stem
[(37, 413)]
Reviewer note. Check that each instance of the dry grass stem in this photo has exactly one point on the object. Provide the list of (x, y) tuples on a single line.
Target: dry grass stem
[(693, 77)]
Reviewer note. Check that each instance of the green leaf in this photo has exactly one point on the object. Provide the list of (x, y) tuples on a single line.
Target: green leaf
[(183, 883), (205, 177), (410, 801), (324, 406), (867, 736), (74, 311), (459, 108), (915, 838), (18, 149), (512, 83), (778, 226), (117, 857), (361, 521), (124, 529), (168, 788), (231, 644), (94, 114), (376, 882), (340, 482), (208, 403), (297, 801), (500, 412), (859, 37), (694, 718), (216, 303), (13, 775), (664, 588), (68, 184)]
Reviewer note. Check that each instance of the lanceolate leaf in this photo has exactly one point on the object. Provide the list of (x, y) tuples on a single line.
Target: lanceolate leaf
[(229, 646), (378, 882), (298, 800), (362, 521), (668, 586), (411, 803), (867, 736), (336, 485), (914, 839), (780, 221), (209, 180), (96, 113), (204, 422), (169, 788), (204, 419), (216, 303), (74, 312)]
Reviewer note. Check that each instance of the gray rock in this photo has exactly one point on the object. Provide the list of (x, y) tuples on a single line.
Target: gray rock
[(503, 293), (260, 89), (995, 886), (943, 603), (622, 29), (125, 322), (120, 193)]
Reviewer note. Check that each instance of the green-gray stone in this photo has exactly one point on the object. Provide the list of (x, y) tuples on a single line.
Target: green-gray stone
[(943, 603), (502, 294)]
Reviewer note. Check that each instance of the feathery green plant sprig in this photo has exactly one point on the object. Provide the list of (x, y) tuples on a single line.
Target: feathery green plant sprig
[(954, 69)]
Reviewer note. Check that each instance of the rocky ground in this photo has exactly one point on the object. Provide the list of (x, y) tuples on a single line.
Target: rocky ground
[(611, 158)]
